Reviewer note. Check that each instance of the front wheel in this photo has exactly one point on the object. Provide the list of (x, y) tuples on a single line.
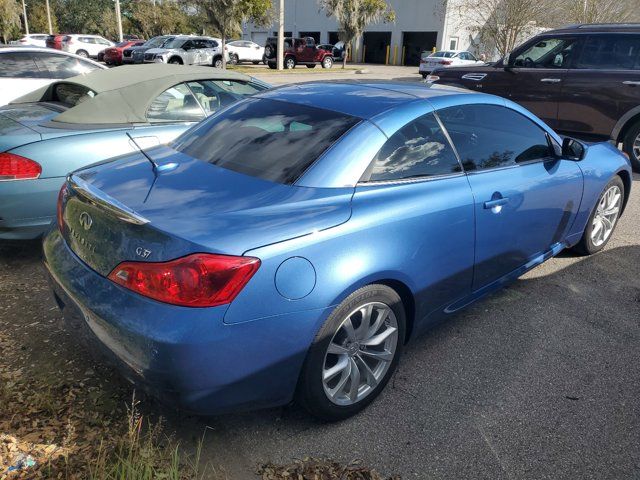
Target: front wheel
[(82, 53), (327, 62), (234, 59), (354, 354), (603, 219), (217, 62), (289, 63), (631, 145)]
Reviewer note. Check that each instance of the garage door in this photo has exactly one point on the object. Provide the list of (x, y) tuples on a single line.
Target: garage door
[(259, 37)]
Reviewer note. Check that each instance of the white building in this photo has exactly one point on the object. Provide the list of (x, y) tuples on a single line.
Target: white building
[(420, 25)]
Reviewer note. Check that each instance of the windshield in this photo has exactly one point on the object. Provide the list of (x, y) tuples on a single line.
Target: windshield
[(174, 43), (156, 42), (268, 139)]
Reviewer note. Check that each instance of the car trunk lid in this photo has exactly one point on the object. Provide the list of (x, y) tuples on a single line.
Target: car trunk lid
[(130, 210)]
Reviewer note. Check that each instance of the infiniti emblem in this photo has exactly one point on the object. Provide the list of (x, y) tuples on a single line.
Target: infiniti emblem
[(85, 220)]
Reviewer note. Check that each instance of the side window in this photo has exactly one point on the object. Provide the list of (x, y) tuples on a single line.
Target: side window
[(61, 66), (215, 94), (419, 149), (18, 65), (547, 53), (490, 136), (175, 104), (610, 52), (188, 45)]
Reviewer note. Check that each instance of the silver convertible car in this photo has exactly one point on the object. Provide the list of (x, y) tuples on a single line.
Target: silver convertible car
[(79, 121)]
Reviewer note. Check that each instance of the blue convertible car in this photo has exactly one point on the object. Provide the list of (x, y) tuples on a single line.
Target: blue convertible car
[(82, 120), (292, 243)]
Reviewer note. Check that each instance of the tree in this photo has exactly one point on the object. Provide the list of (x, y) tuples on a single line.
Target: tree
[(226, 16), (157, 18), (37, 14), (600, 11), (500, 24), (354, 15), (9, 18)]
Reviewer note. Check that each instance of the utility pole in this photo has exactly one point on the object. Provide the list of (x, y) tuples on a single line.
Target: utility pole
[(24, 14), (281, 37), (49, 17), (119, 19)]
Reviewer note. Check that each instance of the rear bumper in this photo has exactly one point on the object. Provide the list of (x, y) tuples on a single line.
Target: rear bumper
[(187, 357), (27, 207)]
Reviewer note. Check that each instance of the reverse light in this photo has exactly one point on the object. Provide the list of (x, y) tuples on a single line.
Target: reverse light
[(15, 167), (198, 280)]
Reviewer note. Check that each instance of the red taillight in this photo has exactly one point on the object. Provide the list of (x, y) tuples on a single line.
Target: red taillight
[(15, 167), (61, 199), (447, 62), (198, 280)]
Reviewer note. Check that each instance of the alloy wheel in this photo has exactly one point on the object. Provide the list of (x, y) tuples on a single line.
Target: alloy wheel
[(290, 63), (606, 215), (360, 353), (635, 148)]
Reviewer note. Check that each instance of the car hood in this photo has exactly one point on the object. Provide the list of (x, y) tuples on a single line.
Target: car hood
[(189, 205), (164, 50), (456, 70)]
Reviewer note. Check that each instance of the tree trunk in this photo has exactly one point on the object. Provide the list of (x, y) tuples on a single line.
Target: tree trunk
[(224, 56), (347, 50)]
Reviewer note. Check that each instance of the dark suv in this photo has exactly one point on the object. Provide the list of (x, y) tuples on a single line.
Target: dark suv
[(583, 80), (297, 51)]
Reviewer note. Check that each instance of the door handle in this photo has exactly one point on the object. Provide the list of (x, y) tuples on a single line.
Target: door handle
[(498, 202), (551, 80), (630, 82)]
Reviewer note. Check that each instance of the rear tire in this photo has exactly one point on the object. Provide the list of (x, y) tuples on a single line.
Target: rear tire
[(234, 59), (603, 219), (217, 62), (327, 386), (82, 53), (631, 145), (256, 62), (272, 65)]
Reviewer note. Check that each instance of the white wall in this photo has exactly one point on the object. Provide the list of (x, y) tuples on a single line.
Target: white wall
[(411, 16)]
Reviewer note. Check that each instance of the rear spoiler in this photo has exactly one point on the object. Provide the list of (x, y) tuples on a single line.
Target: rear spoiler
[(104, 201)]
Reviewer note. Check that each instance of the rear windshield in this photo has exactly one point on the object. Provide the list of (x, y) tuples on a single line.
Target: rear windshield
[(71, 94), (268, 139), (443, 54)]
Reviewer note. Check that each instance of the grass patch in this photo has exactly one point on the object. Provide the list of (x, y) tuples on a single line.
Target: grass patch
[(299, 69), (319, 469)]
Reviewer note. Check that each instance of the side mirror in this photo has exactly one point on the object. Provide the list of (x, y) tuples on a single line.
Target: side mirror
[(572, 149)]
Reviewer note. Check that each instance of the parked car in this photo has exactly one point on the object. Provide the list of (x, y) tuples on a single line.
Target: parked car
[(301, 51), (188, 50), (245, 51), (305, 234), (85, 45), (136, 54), (33, 40), (582, 80), (113, 55), (55, 41), (82, 120), (24, 69), (445, 58)]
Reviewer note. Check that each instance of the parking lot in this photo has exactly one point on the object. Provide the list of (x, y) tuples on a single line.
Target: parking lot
[(538, 381)]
